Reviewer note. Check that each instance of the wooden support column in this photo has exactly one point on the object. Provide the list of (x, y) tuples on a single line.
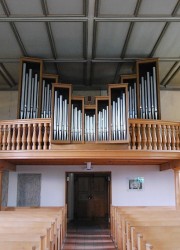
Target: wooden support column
[(1, 182), (177, 187)]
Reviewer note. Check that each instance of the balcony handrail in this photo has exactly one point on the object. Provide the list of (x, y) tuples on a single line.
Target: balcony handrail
[(154, 135), (151, 121), (25, 134), (35, 134)]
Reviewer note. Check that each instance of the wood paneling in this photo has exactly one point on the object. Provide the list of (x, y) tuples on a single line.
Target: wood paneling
[(91, 196)]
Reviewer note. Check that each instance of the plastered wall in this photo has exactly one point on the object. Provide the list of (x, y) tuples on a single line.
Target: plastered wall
[(158, 188)]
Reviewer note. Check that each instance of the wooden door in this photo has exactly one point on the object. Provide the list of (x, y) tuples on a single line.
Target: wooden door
[(91, 196)]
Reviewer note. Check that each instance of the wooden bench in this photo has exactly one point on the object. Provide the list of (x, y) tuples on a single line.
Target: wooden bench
[(61, 211), (32, 229), (157, 238), (127, 222)]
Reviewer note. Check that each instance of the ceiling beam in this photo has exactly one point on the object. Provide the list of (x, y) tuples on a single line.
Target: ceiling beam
[(7, 77), (3, 71), (14, 29), (165, 80), (23, 18), (50, 34), (131, 26), (176, 67), (165, 166), (97, 60), (6, 166), (166, 26), (172, 76), (89, 40), (138, 19), (175, 164)]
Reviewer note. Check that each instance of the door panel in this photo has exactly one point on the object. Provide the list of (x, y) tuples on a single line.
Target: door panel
[(91, 196)]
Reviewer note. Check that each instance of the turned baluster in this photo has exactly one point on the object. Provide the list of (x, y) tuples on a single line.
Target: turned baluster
[(24, 137), (29, 139), (177, 137), (34, 136), (130, 136), (133, 137), (9, 137), (154, 137), (149, 137), (168, 137), (144, 137), (4, 138), (19, 137), (1, 127), (14, 137), (40, 137), (173, 137), (159, 137), (49, 129), (45, 137), (139, 136), (164, 140)]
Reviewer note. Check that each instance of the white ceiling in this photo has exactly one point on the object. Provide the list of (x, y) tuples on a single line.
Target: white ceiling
[(90, 43)]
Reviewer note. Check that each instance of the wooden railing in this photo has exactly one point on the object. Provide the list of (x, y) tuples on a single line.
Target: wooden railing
[(154, 135), (35, 134), (31, 134)]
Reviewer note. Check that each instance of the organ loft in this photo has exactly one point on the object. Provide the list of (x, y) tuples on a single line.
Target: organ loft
[(106, 120)]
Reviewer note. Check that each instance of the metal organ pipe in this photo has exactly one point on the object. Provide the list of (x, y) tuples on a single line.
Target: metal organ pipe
[(29, 93), (76, 124), (90, 132), (103, 124), (60, 117), (148, 95), (118, 107)]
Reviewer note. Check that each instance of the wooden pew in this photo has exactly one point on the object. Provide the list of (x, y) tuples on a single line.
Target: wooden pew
[(23, 241), (43, 228), (169, 223), (124, 220), (159, 238), (61, 210)]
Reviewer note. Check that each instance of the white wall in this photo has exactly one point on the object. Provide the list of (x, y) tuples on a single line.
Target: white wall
[(158, 186), (170, 103), (8, 105)]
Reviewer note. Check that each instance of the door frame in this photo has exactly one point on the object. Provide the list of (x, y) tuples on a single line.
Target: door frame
[(109, 187)]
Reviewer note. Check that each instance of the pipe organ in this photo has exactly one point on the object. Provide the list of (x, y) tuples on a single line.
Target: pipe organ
[(41, 96), (90, 123), (102, 114), (29, 92), (77, 114), (103, 122), (61, 101), (148, 95), (143, 90), (46, 97)]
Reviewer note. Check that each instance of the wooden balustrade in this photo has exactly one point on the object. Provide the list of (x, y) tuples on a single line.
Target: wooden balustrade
[(31, 134), (34, 134), (154, 135)]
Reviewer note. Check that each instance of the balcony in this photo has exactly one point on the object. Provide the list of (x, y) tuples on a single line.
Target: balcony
[(150, 142)]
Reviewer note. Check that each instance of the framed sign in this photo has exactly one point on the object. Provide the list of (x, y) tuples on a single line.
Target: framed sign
[(136, 183)]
